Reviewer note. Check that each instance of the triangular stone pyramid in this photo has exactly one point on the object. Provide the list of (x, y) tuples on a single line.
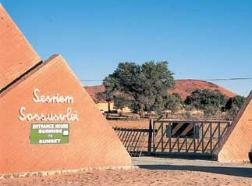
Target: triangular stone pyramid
[(238, 141), (16, 54), (47, 120)]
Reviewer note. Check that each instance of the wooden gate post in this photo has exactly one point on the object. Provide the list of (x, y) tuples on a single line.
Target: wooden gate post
[(150, 137)]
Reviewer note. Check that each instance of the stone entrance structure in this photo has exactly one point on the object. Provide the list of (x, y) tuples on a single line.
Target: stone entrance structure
[(237, 143), (47, 121)]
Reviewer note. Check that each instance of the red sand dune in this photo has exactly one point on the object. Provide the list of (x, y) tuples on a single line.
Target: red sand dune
[(93, 90), (183, 87)]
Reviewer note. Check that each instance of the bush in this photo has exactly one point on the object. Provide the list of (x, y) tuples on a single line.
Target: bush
[(209, 101), (173, 102), (233, 106)]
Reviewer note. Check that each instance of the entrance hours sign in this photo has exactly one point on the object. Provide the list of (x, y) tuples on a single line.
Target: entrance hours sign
[(49, 133)]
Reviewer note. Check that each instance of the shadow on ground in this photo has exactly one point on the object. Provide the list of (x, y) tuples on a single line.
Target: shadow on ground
[(232, 171)]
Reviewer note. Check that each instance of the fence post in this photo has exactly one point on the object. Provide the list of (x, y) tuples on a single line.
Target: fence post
[(150, 137)]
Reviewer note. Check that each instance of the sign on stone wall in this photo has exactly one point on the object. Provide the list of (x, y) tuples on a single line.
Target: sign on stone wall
[(49, 128), (49, 133), (69, 115)]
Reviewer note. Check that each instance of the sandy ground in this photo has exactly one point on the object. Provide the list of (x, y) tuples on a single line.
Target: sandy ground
[(151, 171)]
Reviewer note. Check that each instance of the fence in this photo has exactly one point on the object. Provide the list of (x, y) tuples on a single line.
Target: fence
[(175, 137), (135, 140), (188, 137)]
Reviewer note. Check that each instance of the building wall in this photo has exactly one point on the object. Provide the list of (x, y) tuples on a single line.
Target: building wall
[(104, 106)]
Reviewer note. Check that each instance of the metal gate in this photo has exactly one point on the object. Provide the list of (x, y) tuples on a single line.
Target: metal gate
[(188, 137), (175, 137), (134, 140)]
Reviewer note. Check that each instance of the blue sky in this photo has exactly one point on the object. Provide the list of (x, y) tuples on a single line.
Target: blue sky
[(201, 39)]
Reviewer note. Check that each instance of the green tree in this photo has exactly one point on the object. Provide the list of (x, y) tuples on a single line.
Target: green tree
[(233, 106), (144, 87), (109, 93), (121, 102), (207, 100), (236, 101), (173, 102)]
